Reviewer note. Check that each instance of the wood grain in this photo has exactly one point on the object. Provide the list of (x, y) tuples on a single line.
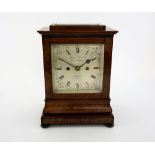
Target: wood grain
[(77, 119), (76, 106), (83, 108)]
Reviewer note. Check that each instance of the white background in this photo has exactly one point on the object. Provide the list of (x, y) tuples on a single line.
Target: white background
[(22, 79)]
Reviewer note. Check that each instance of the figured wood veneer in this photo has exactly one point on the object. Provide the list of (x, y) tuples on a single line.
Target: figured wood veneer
[(83, 108)]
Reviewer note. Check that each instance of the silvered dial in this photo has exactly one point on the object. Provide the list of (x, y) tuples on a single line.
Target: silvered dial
[(77, 68)]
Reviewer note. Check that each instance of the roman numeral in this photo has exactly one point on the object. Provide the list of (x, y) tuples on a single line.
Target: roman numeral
[(58, 68), (96, 67), (77, 86), (68, 52), (68, 83), (77, 49), (87, 52), (61, 77), (87, 84), (94, 77)]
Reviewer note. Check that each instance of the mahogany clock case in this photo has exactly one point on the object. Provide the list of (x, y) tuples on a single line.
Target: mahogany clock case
[(77, 108)]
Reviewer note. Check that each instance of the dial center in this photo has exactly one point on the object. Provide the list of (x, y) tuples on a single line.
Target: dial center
[(77, 68)]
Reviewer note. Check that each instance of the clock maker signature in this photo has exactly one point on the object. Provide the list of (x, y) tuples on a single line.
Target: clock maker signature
[(77, 68)]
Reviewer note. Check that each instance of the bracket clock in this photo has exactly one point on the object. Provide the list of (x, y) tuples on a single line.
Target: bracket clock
[(77, 67)]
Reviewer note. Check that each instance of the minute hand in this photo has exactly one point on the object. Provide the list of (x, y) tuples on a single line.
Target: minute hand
[(66, 62)]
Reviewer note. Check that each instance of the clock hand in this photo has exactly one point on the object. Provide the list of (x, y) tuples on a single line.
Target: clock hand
[(93, 59), (87, 62), (66, 62), (77, 68)]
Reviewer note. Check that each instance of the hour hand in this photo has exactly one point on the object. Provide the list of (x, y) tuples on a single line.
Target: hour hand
[(93, 59), (66, 62), (87, 61)]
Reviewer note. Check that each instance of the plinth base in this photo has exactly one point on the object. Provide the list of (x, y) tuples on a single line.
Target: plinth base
[(57, 112)]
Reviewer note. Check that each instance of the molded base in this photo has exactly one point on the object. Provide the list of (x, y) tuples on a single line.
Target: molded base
[(77, 112)]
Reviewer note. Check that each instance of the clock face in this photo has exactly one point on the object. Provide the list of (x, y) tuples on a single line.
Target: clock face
[(77, 68)]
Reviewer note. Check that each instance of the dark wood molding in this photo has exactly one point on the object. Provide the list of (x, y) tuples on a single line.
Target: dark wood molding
[(77, 30)]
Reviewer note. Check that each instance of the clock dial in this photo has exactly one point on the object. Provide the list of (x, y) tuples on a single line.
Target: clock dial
[(77, 68)]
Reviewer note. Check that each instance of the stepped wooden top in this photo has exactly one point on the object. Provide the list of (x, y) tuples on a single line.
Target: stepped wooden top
[(77, 30)]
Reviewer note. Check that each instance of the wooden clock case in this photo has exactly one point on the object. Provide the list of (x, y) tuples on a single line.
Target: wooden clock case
[(82, 108)]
